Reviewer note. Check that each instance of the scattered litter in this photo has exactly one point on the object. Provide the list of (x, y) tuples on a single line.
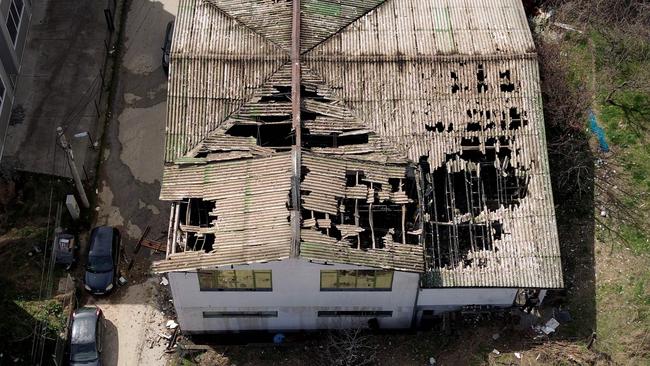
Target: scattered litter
[(164, 281), (567, 27), (165, 335), (37, 249), (172, 339), (171, 324), (592, 340), (278, 338), (496, 352), (518, 355), (551, 326), (495, 336), (432, 361), (122, 281), (603, 213)]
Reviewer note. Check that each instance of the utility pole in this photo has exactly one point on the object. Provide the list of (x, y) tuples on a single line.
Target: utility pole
[(73, 167)]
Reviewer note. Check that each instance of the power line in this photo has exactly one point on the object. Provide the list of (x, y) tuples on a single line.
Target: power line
[(38, 342)]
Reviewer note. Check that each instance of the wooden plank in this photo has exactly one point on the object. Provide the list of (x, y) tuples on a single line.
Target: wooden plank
[(155, 245), (144, 235)]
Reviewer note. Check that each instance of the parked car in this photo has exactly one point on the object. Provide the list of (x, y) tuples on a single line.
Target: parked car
[(64, 249), (86, 334), (103, 259), (167, 47)]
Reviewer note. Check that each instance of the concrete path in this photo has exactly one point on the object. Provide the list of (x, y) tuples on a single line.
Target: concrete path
[(58, 82), (131, 173)]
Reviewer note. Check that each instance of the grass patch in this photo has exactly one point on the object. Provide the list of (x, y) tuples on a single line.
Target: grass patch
[(615, 67), (48, 311), (636, 239)]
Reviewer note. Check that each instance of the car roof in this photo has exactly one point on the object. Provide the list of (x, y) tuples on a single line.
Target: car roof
[(84, 325), (101, 240)]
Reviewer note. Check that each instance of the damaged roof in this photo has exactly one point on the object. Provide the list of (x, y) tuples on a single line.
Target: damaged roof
[(423, 144)]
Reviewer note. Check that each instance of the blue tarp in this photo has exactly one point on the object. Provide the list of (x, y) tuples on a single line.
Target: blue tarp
[(598, 131)]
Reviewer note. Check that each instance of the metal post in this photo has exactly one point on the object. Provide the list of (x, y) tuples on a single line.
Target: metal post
[(73, 167), (295, 110)]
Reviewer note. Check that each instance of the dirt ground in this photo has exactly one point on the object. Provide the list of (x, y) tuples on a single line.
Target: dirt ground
[(134, 324)]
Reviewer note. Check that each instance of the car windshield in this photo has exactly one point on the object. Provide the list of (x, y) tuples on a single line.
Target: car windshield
[(100, 264), (83, 352)]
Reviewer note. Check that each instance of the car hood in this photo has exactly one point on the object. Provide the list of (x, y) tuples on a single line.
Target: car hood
[(98, 281)]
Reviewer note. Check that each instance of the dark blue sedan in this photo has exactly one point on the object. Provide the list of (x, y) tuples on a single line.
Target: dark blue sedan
[(103, 258), (86, 334)]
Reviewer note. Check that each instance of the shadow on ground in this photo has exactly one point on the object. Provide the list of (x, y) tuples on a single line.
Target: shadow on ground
[(111, 351)]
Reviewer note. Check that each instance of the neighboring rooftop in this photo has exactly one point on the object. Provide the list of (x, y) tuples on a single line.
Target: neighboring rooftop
[(422, 140)]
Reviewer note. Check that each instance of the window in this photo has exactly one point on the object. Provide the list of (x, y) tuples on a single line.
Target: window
[(345, 280), (240, 314), (235, 280), (13, 19), (363, 313)]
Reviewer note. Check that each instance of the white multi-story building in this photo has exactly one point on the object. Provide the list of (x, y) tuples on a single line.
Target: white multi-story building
[(384, 165)]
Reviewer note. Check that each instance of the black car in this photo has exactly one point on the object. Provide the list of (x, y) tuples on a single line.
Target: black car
[(86, 334), (167, 47), (103, 257)]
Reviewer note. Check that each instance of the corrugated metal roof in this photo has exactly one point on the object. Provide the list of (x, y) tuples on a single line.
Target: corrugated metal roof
[(439, 80), (415, 28), (323, 18), (250, 209), (414, 81), (322, 248), (216, 65)]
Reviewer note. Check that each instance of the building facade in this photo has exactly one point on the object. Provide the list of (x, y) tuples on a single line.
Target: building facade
[(15, 17), (385, 164), (295, 294)]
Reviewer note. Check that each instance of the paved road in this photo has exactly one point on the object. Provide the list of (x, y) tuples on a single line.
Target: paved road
[(130, 176), (130, 181), (58, 81)]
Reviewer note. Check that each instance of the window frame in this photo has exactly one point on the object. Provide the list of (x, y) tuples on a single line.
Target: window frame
[(13, 13), (355, 313), (239, 314), (345, 272), (213, 273)]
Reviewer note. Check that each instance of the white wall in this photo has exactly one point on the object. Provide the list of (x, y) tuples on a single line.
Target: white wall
[(297, 298), (446, 299)]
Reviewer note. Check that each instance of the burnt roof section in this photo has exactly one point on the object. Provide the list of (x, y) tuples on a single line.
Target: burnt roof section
[(422, 135)]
